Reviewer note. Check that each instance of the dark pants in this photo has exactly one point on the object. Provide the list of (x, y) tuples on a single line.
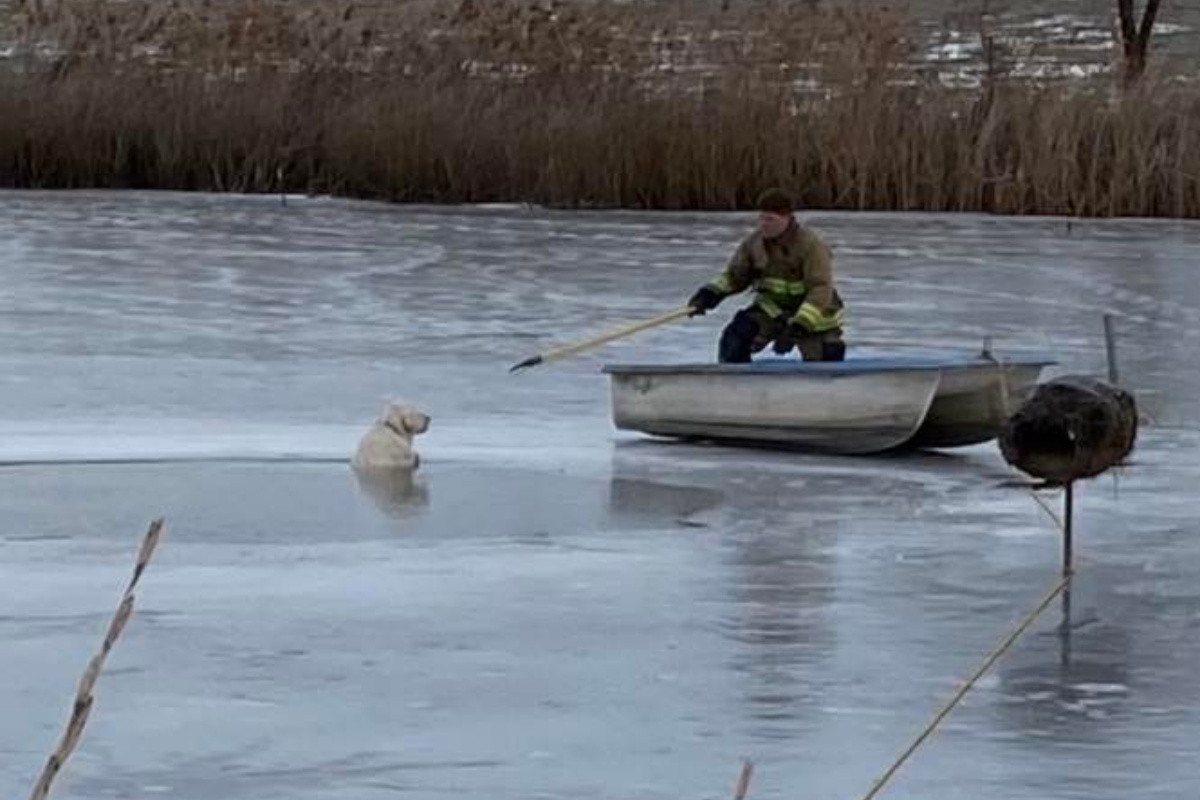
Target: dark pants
[(752, 329)]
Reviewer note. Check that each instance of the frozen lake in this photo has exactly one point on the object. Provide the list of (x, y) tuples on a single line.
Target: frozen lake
[(553, 609)]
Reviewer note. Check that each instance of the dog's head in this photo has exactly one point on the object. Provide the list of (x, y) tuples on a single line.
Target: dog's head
[(404, 419)]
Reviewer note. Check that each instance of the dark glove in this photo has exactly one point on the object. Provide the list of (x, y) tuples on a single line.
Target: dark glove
[(704, 300), (788, 338), (797, 329)]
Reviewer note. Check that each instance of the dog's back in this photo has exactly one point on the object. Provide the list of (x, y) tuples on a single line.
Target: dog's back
[(388, 444), (383, 448)]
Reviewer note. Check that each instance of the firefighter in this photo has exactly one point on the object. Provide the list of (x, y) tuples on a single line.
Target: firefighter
[(795, 302)]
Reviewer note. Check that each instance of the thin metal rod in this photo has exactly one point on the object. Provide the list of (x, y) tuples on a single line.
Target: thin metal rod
[(1110, 349), (1068, 566), (1064, 631)]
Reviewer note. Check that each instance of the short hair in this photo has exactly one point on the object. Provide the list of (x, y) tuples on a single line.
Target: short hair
[(776, 201)]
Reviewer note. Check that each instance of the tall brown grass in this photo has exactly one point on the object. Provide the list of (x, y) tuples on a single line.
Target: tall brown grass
[(576, 104)]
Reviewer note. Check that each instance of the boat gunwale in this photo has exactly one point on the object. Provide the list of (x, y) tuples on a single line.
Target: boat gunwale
[(850, 367)]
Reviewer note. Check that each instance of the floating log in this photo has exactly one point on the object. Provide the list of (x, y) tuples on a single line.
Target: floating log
[(1070, 428)]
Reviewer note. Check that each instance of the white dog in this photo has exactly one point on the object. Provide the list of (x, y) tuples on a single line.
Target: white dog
[(388, 444)]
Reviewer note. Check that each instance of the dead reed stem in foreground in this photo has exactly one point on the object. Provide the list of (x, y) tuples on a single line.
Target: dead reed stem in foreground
[(84, 697), (743, 785)]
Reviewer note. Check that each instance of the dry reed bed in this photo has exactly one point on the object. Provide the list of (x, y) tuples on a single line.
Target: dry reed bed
[(780, 38), (568, 104)]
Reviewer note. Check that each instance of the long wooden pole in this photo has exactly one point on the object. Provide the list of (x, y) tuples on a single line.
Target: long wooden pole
[(618, 333)]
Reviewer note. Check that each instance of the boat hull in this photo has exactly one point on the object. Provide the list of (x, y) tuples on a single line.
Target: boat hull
[(972, 403), (847, 414), (853, 407)]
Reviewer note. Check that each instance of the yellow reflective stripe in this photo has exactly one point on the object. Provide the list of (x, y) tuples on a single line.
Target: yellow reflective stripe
[(782, 286), (817, 321), (768, 305), (810, 315), (722, 284)]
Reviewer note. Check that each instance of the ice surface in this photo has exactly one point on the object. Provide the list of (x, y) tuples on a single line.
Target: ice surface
[(549, 608)]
